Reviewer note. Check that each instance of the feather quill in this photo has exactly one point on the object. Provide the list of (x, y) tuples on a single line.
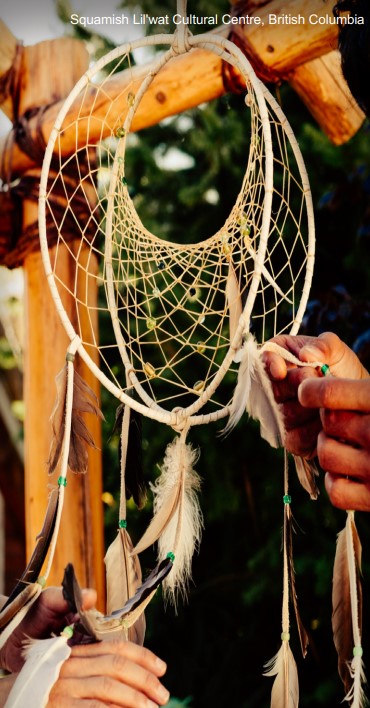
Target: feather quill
[(44, 658), (234, 301), (177, 521), (84, 401), (285, 689), (123, 573), (307, 472), (253, 393)]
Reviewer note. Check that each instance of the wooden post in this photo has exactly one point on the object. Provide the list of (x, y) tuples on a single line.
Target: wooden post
[(49, 70), (7, 60), (321, 87)]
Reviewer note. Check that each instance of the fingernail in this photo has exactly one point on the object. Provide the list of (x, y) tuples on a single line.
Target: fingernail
[(163, 694), (160, 665)]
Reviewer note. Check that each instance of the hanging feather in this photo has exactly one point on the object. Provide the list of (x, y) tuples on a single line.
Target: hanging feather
[(84, 401), (303, 636), (94, 624), (123, 574), (134, 477), (347, 611), (27, 589), (44, 659), (135, 606), (253, 393), (307, 472), (285, 689), (177, 521), (234, 300), (34, 566), (17, 611)]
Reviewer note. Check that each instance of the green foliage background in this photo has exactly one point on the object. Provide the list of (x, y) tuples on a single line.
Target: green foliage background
[(217, 642)]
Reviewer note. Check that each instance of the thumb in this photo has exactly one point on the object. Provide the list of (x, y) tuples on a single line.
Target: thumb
[(88, 598), (329, 349)]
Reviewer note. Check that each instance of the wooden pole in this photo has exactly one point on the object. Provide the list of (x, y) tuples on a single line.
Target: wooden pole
[(320, 85), (8, 50), (81, 535)]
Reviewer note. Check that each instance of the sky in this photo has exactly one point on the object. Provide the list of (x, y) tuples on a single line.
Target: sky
[(32, 21), (35, 20)]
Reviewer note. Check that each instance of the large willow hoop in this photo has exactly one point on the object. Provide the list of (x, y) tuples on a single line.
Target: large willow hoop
[(243, 250)]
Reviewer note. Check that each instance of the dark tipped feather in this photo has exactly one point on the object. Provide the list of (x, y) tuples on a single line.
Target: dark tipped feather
[(303, 636), (27, 589), (34, 566), (134, 476), (97, 626), (84, 401), (307, 472), (146, 589), (72, 593)]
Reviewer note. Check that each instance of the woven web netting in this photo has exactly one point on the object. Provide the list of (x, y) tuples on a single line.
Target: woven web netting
[(171, 311)]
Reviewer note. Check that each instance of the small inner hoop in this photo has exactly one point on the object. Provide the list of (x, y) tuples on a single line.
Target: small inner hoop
[(177, 311)]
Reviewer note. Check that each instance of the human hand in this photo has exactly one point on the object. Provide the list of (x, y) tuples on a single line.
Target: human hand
[(48, 615), (343, 445), (115, 673), (302, 425)]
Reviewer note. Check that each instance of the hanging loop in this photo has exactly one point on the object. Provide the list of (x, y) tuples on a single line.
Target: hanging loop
[(181, 39)]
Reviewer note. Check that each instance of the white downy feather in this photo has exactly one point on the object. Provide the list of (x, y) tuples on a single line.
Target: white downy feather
[(253, 393), (285, 689), (44, 658), (177, 520)]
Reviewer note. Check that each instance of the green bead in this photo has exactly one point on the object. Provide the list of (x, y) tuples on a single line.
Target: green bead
[(70, 357), (41, 581), (120, 132), (171, 556), (151, 323), (357, 651), (67, 632), (325, 370), (62, 482), (285, 636), (287, 499), (122, 524), (130, 98)]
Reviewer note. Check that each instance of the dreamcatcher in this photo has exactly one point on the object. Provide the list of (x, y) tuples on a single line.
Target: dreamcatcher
[(182, 316)]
